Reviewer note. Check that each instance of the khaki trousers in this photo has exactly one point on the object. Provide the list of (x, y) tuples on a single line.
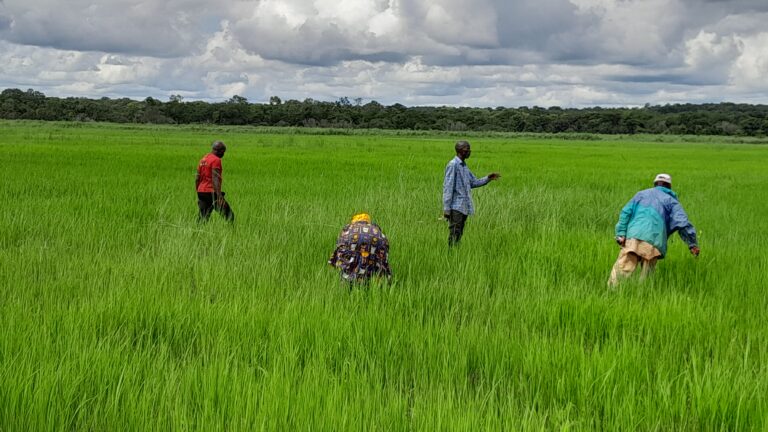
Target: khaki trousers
[(627, 263)]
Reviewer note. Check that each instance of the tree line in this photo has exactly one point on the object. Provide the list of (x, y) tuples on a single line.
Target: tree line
[(690, 119)]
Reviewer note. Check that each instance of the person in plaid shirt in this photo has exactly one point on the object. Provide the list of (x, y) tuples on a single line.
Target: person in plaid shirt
[(362, 251), (457, 198)]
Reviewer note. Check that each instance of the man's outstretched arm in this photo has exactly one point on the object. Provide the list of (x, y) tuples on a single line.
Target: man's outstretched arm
[(475, 182)]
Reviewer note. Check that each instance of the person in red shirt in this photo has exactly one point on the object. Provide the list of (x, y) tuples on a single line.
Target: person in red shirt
[(208, 185)]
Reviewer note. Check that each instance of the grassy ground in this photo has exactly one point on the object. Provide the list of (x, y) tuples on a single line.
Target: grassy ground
[(119, 312)]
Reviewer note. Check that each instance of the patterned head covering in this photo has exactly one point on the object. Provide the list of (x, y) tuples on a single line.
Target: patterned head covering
[(361, 217)]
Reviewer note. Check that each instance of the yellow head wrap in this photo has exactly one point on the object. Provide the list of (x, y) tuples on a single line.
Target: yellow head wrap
[(361, 217)]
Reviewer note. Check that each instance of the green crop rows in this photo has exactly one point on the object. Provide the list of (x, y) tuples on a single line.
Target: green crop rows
[(119, 312)]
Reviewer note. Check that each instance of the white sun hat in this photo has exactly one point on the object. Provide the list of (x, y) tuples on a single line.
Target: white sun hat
[(666, 178)]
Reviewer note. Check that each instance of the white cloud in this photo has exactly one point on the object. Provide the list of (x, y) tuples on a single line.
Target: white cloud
[(710, 56), (157, 28), (456, 52), (751, 68), (384, 23), (635, 31), (452, 22), (416, 72)]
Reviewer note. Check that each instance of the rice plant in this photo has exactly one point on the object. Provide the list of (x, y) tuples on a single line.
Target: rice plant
[(120, 312)]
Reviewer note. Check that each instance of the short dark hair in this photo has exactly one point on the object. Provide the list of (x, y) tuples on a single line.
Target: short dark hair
[(461, 144)]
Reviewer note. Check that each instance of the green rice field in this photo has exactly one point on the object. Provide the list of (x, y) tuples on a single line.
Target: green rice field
[(120, 312)]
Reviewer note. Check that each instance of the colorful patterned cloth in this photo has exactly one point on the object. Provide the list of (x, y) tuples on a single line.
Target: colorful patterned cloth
[(362, 251)]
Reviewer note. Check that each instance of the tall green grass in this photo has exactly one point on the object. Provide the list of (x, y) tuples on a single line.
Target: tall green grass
[(120, 312)]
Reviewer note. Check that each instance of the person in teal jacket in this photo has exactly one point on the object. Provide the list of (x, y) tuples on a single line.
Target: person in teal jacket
[(645, 223)]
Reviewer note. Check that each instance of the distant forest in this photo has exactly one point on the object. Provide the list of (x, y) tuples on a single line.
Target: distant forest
[(690, 119)]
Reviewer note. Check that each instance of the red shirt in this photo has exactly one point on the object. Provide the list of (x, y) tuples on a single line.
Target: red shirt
[(205, 169)]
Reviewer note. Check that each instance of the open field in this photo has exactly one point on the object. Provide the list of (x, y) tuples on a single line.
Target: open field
[(119, 312)]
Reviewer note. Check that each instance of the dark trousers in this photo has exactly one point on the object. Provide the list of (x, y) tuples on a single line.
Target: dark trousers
[(206, 202), (456, 222)]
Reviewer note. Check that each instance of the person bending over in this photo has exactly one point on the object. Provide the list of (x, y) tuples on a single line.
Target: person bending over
[(362, 251), (645, 223)]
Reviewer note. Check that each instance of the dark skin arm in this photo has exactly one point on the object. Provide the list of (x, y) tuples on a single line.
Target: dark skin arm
[(216, 174)]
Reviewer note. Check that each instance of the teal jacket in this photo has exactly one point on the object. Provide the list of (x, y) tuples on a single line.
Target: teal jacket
[(654, 214)]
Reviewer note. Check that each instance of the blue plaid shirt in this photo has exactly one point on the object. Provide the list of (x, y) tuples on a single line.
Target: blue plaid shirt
[(458, 182)]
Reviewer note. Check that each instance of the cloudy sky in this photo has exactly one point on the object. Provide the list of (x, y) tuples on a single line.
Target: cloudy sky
[(569, 53)]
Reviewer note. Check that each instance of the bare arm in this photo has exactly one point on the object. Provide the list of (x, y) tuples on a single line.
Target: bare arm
[(216, 177)]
